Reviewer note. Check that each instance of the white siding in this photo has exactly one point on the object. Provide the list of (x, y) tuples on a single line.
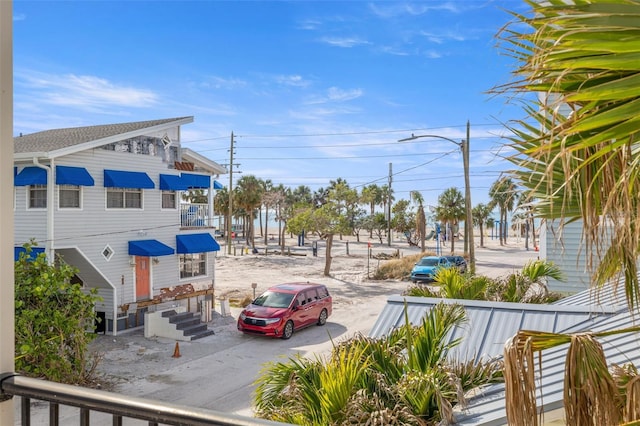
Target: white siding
[(94, 227), (564, 248)]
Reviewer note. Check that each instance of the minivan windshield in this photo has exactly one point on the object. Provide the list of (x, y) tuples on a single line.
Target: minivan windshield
[(272, 299)]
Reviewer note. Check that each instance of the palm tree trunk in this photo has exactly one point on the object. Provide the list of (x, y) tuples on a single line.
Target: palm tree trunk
[(266, 224)]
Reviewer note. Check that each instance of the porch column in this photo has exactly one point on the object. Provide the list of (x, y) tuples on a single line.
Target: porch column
[(7, 307)]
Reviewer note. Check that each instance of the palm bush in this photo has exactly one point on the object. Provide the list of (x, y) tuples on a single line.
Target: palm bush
[(404, 378), (526, 286), (454, 285)]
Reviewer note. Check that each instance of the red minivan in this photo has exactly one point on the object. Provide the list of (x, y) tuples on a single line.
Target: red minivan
[(286, 307)]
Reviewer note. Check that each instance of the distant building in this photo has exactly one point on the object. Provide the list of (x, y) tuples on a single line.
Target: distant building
[(107, 200)]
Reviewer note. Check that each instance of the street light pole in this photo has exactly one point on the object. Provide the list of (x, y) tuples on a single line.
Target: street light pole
[(468, 222)]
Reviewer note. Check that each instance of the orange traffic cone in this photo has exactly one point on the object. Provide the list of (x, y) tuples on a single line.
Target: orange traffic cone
[(176, 351)]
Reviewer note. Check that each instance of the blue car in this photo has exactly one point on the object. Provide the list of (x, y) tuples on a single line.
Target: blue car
[(425, 269)]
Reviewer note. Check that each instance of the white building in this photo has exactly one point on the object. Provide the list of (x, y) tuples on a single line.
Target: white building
[(106, 199)]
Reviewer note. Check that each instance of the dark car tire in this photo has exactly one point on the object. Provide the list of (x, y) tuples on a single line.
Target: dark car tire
[(322, 319), (287, 331)]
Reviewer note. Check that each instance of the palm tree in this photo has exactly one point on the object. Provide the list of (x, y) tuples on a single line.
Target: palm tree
[(503, 194), (302, 194), (421, 220), (249, 198), (450, 210), (267, 186), (480, 214), (372, 196), (578, 154), (319, 197), (221, 205), (344, 199), (386, 195)]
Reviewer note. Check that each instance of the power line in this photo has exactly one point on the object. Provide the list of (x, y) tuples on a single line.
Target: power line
[(360, 133)]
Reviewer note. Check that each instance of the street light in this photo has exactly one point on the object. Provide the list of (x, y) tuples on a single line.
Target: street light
[(468, 222)]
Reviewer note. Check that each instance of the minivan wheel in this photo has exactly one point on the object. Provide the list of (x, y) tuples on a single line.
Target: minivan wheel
[(322, 319), (287, 331)]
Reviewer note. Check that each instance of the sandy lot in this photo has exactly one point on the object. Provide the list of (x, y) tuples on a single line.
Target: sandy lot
[(218, 372)]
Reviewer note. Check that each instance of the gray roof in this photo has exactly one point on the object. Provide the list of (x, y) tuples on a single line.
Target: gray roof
[(611, 294), (488, 408), (490, 324), (64, 141)]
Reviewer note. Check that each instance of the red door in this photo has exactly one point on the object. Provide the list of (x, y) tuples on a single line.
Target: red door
[(142, 278)]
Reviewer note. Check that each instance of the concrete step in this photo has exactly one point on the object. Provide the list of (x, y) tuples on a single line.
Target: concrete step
[(201, 334)]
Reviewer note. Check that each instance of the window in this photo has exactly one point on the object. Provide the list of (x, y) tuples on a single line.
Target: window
[(124, 198), (193, 265), (38, 196), (169, 200), (69, 197), (107, 252)]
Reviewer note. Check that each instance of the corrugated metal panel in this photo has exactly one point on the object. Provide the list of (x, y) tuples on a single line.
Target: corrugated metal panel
[(611, 294), (489, 324), (489, 407)]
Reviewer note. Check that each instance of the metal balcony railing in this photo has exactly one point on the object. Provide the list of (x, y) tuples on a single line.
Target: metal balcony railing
[(118, 406), (194, 215)]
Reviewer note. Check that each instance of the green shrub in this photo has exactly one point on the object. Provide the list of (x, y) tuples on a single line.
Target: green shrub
[(54, 321)]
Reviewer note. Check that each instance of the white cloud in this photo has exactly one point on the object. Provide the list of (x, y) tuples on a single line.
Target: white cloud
[(393, 10), (336, 94), (344, 41), (309, 24), (19, 17), (83, 91), (442, 37), (215, 82), (390, 50), (292, 80)]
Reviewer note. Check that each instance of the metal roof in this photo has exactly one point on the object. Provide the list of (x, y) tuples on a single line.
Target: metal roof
[(489, 324), (611, 294), (65, 141), (488, 408)]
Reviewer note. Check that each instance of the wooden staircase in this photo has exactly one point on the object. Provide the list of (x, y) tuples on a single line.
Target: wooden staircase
[(188, 324)]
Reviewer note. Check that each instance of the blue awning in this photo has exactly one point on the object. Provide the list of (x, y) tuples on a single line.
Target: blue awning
[(123, 179), (66, 175), (31, 176), (196, 243), (217, 185), (172, 183), (149, 248), (35, 251), (196, 181)]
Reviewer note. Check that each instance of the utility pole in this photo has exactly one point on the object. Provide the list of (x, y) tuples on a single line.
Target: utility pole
[(230, 204), (389, 206), (468, 222)]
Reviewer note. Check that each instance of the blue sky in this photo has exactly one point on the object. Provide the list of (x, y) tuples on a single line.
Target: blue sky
[(313, 90)]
